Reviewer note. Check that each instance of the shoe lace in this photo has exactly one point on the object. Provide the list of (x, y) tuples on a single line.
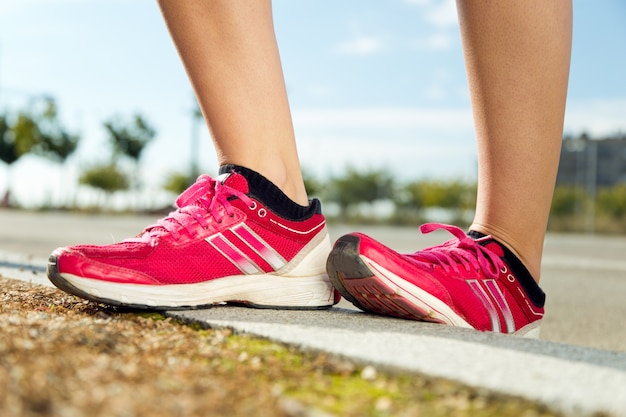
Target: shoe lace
[(463, 251), (199, 204)]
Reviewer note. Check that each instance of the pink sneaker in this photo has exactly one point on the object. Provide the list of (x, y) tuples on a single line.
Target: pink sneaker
[(221, 245), (463, 282)]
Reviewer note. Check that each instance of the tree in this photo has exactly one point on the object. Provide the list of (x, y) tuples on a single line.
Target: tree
[(410, 196), (612, 201), (107, 178), (409, 204), (37, 130), (566, 201), (56, 143), (130, 138), (455, 196), (357, 187), (26, 133), (8, 154), (8, 151), (311, 184), (177, 182), (17, 139)]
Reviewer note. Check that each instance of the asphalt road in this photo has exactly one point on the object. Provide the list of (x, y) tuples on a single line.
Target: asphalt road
[(584, 276)]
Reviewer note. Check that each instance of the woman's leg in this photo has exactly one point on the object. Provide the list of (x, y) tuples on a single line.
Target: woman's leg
[(229, 50), (517, 57), (240, 239)]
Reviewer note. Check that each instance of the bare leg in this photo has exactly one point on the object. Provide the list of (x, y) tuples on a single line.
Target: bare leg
[(517, 56), (230, 53)]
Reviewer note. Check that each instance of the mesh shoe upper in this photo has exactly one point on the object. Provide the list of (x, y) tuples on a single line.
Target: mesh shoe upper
[(217, 230), (463, 282)]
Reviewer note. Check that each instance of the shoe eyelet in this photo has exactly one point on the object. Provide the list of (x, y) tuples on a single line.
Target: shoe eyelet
[(262, 212), (510, 277), (253, 206), (504, 270)]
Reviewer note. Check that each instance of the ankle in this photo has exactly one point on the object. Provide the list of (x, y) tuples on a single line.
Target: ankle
[(293, 187), (266, 191), (529, 255), (289, 181)]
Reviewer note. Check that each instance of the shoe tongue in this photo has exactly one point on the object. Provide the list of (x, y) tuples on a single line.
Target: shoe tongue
[(231, 179), (487, 242), (234, 180)]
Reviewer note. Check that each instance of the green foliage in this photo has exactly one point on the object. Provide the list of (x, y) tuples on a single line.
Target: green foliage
[(566, 201), (26, 133), (573, 210), (612, 201), (8, 151), (313, 187), (55, 142), (37, 130), (130, 138), (356, 187), (105, 177), (410, 196), (457, 196), (59, 145), (177, 182), (452, 195)]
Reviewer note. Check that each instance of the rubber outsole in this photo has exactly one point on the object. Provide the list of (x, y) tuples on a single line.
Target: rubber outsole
[(344, 263), (60, 282), (351, 275)]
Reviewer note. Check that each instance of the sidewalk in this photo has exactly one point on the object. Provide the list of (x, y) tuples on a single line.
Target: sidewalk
[(575, 380)]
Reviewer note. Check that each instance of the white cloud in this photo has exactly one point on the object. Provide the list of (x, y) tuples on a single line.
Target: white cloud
[(362, 45), (450, 120), (8, 8), (419, 2), (443, 14), (440, 13), (320, 91), (407, 155), (436, 42), (597, 117), (436, 93), (412, 142)]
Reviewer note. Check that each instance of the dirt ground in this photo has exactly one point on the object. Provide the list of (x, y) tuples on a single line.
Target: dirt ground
[(62, 356)]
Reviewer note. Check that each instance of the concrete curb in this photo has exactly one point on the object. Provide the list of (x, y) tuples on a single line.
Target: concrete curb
[(574, 380), (24, 268)]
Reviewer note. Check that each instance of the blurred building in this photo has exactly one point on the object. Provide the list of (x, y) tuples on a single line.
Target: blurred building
[(593, 163)]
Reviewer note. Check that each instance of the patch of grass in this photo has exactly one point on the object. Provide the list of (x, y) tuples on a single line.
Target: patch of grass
[(153, 315), (342, 388)]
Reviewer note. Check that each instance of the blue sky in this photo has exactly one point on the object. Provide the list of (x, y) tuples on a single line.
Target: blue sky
[(375, 84)]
